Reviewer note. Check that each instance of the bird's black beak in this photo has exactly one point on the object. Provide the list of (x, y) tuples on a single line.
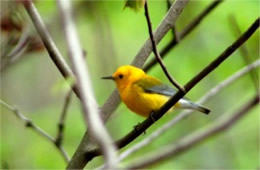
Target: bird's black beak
[(108, 78)]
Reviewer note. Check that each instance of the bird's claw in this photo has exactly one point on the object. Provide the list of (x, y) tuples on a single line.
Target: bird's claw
[(151, 116)]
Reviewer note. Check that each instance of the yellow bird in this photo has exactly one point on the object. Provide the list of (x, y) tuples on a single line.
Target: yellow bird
[(144, 94)]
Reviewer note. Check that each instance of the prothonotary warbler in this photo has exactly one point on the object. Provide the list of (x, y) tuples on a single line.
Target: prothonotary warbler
[(144, 94)]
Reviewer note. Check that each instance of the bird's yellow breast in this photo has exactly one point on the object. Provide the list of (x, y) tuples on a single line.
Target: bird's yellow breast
[(141, 102)]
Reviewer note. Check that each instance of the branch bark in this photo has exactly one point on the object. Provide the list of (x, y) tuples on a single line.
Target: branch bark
[(215, 90), (35, 128), (60, 134), (89, 105), (244, 52), (155, 51), (173, 100), (83, 153), (188, 29), (189, 141), (48, 42)]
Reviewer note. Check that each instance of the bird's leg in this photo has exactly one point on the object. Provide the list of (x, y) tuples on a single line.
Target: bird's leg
[(151, 116)]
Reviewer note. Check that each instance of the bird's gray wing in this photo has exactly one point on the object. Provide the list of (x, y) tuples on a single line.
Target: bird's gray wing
[(161, 89)]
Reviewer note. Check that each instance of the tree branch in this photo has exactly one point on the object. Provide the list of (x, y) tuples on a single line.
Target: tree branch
[(173, 100), (155, 135), (174, 31), (172, 150), (41, 132), (59, 137), (89, 105), (188, 29), (50, 46), (243, 50), (83, 153), (167, 23), (157, 55)]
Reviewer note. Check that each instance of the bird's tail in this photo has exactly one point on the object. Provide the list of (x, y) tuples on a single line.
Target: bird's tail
[(190, 105)]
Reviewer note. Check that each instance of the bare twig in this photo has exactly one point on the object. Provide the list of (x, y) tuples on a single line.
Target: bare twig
[(83, 153), (41, 132), (173, 100), (188, 29), (59, 137), (155, 135), (49, 43), (172, 150), (213, 65), (167, 23), (89, 104), (245, 55), (157, 55)]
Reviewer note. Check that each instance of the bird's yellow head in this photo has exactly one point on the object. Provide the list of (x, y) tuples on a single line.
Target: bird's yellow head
[(126, 75)]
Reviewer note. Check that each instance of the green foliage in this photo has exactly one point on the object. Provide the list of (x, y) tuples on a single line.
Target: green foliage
[(136, 5)]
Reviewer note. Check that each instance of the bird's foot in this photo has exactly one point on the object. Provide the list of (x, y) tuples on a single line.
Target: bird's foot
[(151, 116)]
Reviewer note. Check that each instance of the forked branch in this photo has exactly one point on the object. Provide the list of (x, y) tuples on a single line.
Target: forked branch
[(155, 51)]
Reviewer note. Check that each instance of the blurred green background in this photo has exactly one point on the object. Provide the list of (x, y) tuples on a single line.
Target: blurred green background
[(112, 37)]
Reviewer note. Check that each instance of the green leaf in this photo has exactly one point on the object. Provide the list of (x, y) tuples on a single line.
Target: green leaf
[(136, 5)]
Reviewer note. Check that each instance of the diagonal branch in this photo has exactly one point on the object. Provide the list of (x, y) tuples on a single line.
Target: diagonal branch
[(188, 29), (83, 153), (166, 24), (155, 135), (89, 105), (59, 137), (172, 150), (48, 42), (173, 100), (174, 31), (41, 132), (244, 51), (157, 55)]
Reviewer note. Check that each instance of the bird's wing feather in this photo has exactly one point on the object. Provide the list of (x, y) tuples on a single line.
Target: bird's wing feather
[(152, 85), (161, 89)]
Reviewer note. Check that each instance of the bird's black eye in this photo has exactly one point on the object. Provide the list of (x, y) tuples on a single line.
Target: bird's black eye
[(121, 76)]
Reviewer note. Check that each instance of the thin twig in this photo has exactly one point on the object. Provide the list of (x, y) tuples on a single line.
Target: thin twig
[(155, 135), (172, 150), (89, 105), (41, 132), (50, 46), (155, 51), (83, 153), (243, 50), (59, 137), (142, 127), (188, 29), (173, 100)]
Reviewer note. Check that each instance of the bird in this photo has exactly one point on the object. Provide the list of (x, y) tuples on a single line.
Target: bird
[(145, 94)]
